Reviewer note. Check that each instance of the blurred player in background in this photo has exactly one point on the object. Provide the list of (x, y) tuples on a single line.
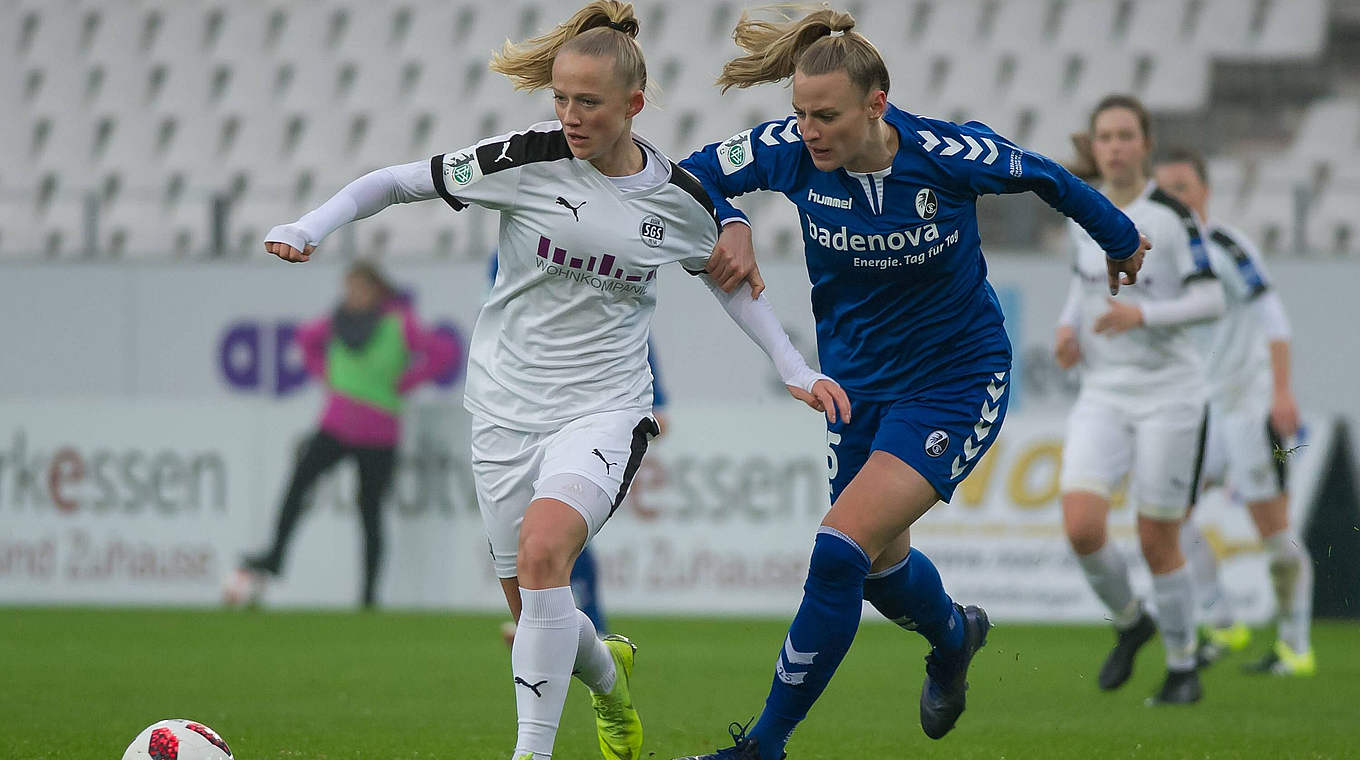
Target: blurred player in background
[(1142, 401), (557, 380), (369, 353), (905, 319), (1252, 414)]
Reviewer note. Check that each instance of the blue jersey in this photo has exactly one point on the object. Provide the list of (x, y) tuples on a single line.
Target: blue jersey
[(899, 283)]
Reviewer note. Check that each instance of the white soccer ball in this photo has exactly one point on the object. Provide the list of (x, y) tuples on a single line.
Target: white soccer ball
[(178, 739)]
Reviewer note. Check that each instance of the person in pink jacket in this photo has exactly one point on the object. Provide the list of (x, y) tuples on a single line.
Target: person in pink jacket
[(369, 352)]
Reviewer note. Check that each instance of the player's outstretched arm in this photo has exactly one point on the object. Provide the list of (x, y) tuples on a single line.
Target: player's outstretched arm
[(739, 165), (756, 318), (360, 199), (1016, 170)]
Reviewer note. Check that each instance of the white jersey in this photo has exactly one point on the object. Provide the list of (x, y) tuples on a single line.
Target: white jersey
[(1145, 362), (1238, 357), (564, 331)]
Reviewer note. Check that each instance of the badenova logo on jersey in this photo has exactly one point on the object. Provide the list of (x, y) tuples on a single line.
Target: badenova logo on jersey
[(843, 240)]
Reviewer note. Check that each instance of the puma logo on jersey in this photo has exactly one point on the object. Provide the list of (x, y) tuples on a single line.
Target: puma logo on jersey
[(607, 464), (505, 154), (563, 202), (531, 686)]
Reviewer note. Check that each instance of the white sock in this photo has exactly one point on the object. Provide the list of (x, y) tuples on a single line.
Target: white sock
[(1214, 607), (594, 665), (542, 659), (1108, 574), (1175, 597), (1291, 572)]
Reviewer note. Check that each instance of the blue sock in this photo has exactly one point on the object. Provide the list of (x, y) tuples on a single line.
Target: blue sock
[(818, 639), (911, 595), (586, 590)]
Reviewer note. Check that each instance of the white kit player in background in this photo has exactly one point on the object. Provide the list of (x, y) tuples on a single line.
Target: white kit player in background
[(1141, 409), (557, 381), (1252, 418)]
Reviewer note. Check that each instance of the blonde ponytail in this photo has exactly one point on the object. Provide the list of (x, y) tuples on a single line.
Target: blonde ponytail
[(818, 43), (604, 28)]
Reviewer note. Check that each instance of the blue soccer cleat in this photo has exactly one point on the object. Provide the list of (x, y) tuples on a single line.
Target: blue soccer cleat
[(945, 690), (742, 748)]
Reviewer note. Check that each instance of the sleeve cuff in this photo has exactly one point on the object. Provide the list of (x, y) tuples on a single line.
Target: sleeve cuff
[(1128, 251), (437, 174)]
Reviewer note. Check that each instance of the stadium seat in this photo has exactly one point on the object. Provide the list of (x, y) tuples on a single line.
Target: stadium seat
[(1294, 29), (1330, 131), (1089, 27), (1332, 226), (1158, 26), (1221, 27), (942, 27)]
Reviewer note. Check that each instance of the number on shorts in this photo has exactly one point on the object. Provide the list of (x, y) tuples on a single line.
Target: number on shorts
[(832, 466)]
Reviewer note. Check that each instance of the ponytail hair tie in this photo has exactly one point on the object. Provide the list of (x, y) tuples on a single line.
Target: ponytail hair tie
[(837, 33), (618, 26)]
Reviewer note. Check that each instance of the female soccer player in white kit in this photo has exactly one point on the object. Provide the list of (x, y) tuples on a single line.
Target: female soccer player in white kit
[(557, 379), (1142, 401), (1252, 412)]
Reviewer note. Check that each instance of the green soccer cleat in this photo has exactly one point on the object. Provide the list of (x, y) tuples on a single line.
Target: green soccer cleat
[(1283, 661), (1234, 638), (1216, 642), (616, 719)]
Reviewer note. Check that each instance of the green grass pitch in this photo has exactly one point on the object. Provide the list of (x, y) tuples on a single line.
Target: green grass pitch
[(80, 683)]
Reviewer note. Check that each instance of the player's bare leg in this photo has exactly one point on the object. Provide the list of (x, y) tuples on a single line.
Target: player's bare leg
[(554, 640), (869, 520), (1291, 574), (1171, 587), (1085, 515)]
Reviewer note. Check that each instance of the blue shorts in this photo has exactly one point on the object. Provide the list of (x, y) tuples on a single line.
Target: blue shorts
[(941, 432)]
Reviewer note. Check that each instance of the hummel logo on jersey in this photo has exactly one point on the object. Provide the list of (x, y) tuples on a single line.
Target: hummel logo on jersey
[(607, 464), (531, 686), (563, 202), (829, 200), (987, 417), (505, 154), (976, 149)]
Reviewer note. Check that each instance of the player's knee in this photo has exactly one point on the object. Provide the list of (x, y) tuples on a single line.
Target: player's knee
[(543, 559), (1085, 535), (1084, 522), (1160, 542), (836, 559)]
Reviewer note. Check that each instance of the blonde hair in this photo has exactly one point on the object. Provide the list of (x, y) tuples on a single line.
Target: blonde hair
[(602, 28), (820, 42)]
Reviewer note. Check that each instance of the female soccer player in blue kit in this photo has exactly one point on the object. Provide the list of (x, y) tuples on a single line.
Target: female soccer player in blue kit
[(905, 321)]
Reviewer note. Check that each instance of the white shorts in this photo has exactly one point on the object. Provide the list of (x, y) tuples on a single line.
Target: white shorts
[(1240, 449), (511, 467), (1158, 446)]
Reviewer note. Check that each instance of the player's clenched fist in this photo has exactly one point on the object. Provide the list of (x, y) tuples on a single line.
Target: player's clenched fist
[(289, 243)]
